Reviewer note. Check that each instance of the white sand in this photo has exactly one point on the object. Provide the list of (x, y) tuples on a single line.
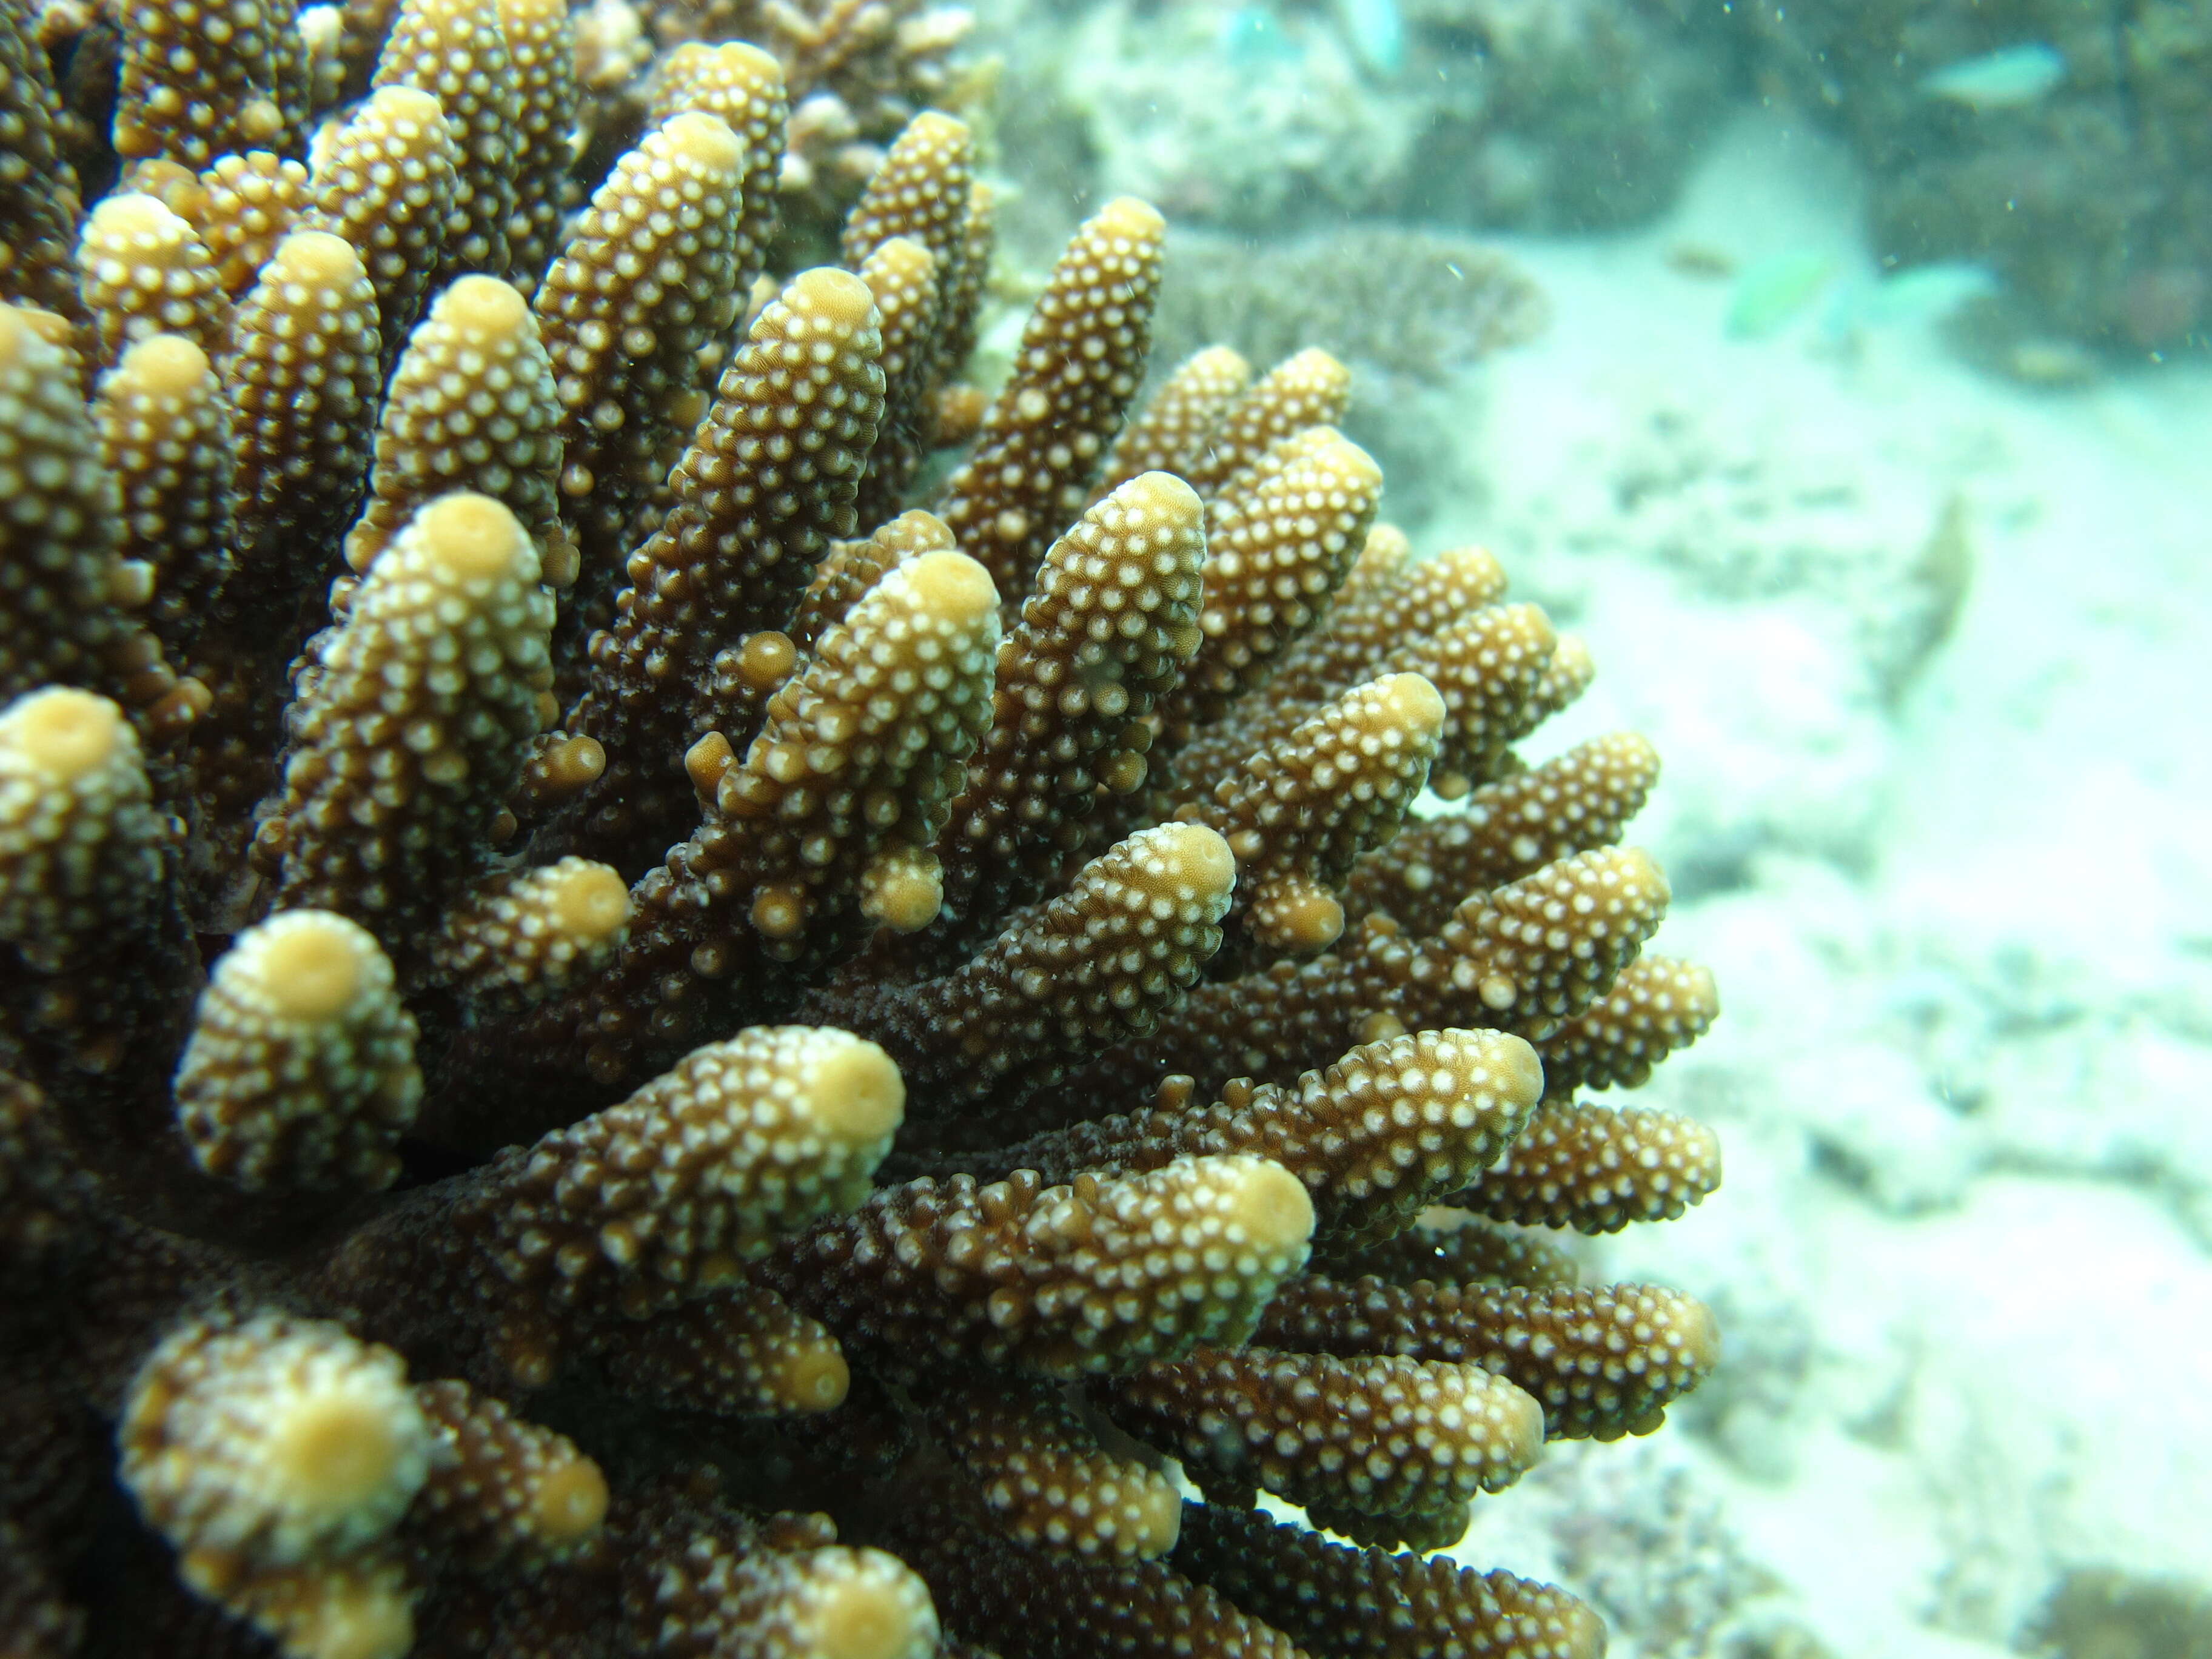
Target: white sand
[(1964, 1258)]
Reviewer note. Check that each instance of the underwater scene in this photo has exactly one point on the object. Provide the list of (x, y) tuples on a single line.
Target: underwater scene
[(1105, 828)]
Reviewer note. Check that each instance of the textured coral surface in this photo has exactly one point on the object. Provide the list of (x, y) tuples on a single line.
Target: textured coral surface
[(626, 1028)]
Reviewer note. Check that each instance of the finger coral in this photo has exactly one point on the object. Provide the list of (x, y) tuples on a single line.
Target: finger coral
[(658, 997)]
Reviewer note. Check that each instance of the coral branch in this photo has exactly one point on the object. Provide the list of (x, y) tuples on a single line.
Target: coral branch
[(475, 674)]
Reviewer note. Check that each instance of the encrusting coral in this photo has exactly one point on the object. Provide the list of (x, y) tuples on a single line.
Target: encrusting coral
[(617, 1038)]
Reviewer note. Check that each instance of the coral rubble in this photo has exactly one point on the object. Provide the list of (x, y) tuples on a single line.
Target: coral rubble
[(1413, 305), (616, 1038)]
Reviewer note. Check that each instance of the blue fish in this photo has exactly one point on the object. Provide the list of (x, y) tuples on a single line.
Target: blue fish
[(2009, 78), (1376, 30), (1773, 291)]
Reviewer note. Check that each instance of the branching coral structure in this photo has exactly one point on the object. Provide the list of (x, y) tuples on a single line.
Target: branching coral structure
[(622, 1034)]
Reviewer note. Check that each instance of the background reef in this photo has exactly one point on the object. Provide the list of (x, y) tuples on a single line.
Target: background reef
[(2060, 144), (676, 984)]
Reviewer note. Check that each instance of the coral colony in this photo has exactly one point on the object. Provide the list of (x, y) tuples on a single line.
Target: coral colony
[(673, 988)]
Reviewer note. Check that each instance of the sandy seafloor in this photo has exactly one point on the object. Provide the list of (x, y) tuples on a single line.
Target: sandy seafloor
[(1961, 919)]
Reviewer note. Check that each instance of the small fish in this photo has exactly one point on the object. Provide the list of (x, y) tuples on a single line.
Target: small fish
[(2051, 365), (1702, 260), (1376, 30), (2010, 78), (1771, 292)]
